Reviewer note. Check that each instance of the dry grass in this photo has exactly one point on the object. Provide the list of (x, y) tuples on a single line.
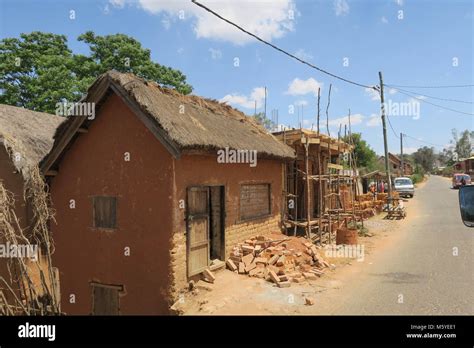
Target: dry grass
[(32, 285)]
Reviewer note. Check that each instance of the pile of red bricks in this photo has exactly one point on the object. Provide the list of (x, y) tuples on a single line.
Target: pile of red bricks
[(282, 261)]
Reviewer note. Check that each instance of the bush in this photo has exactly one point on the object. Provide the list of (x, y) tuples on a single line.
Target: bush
[(448, 171), (416, 178)]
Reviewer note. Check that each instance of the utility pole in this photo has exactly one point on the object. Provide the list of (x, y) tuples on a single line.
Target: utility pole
[(401, 155), (387, 167)]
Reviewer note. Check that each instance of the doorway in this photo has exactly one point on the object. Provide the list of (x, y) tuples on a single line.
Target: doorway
[(204, 226)]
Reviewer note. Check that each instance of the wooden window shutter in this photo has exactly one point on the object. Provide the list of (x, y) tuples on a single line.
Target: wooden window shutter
[(105, 212)]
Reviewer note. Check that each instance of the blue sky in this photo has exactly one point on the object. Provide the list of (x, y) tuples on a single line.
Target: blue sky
[(414, 42)]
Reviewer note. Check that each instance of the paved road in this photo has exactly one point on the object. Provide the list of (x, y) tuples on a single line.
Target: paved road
[(417, 265)]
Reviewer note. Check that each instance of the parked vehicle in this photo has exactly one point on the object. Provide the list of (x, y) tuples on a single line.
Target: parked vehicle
[(466, 204), (458, 180), (404, 186)]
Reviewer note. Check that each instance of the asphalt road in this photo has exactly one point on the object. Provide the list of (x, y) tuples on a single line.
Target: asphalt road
[(427, 268)]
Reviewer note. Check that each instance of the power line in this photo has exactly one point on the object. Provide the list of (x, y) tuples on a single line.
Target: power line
[(437, 105), (393, 130), (409, 136), (451, 86), (422, 141), (279, 49), (428, 96)]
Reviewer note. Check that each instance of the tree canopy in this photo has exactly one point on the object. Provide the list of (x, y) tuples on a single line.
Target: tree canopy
[(263, 120), (365, 156), (38, 70), (425, 158)]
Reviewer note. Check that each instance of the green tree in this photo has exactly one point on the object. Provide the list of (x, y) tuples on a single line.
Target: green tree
[(125, 54), (264, 121), (425, 158), (38, 70), (446, 157), (364, 155), (462, 144)]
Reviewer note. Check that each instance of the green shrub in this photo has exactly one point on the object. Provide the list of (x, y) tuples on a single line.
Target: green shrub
[(416, 178)]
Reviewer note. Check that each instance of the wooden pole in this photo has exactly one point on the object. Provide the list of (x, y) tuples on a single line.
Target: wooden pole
[(308, 197), (319, 98), (295, 183), (402, 173), (385, 145), (330, 198), (351, 166), (327, 110), (320, 208)]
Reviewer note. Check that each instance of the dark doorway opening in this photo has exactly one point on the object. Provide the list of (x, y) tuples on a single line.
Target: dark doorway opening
[(217, 213)]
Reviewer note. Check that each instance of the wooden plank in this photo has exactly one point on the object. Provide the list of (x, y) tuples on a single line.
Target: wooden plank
[(335, 166), (198, 229)]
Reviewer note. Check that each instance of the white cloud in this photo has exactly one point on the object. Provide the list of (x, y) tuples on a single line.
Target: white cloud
[(257, 95), (215, 53), (374, 121), (117, 3), (302, 54), (303, 87), (392, 91), (269, 21), (341, 7), (384, 20), (355, 119), (400, 2), (372, 93)]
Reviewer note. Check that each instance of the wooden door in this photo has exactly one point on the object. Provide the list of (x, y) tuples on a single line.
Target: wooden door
[(197, 229), (105, 299)]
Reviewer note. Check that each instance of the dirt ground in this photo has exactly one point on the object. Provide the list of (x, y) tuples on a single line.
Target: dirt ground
[(235, 294)]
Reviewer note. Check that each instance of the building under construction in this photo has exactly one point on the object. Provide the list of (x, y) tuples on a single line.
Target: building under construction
[(320, 185)]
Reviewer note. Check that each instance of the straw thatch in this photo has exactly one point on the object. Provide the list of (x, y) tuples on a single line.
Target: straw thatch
[(190, 122), (28, 133)]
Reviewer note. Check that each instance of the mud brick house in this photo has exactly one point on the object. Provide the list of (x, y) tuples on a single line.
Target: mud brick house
[(142, 203), (396, 165), (465, 165), (25, 138)]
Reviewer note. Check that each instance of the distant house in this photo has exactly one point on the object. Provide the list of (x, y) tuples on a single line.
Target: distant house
[(466, 166), (25, 138), (148, 193), (396, 165)]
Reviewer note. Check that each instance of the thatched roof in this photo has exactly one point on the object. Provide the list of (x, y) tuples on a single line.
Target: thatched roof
[(184, 122), (28, 133)]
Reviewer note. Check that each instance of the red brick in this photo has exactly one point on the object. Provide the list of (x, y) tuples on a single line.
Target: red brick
[(231, 265), (273, 276), (284, 284)]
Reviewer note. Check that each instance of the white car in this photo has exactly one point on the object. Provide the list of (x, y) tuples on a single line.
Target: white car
[(404, 186)]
